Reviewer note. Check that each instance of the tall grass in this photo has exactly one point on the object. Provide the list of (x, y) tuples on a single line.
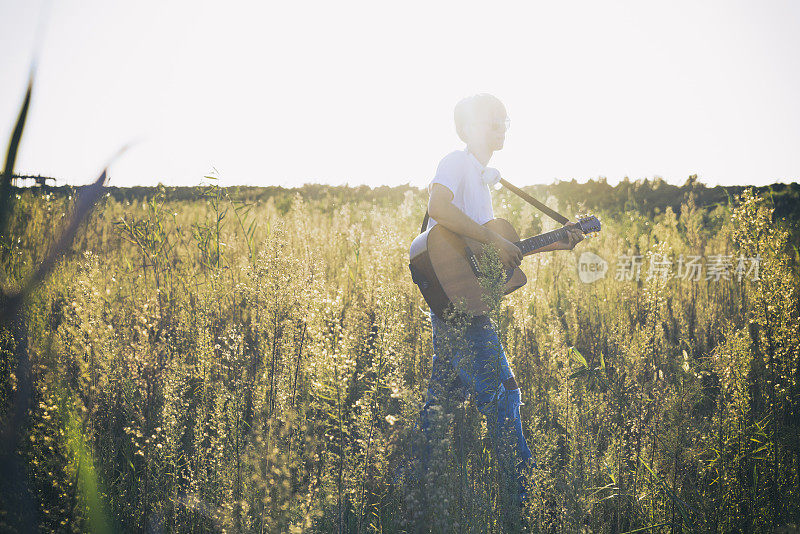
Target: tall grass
[(219, 370)]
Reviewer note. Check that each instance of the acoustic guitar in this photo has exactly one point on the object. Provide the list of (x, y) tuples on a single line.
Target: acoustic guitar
[(445, 265)]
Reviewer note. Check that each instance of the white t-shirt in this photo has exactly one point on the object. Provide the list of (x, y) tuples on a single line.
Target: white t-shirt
[(462, 173)]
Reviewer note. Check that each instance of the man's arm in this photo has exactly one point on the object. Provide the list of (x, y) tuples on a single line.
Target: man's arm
[(442, 209)]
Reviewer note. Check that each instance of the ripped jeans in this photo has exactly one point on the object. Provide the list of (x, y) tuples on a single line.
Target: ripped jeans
[(483, 372)]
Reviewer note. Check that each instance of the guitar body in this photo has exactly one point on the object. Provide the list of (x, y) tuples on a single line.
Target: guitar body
[(444, 266)]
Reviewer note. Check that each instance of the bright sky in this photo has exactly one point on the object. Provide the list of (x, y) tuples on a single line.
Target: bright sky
[(284, 93)]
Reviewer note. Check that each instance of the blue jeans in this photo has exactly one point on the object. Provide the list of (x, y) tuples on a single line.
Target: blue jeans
[(476, 365)]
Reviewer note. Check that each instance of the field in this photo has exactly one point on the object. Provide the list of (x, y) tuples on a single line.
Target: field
[(244, 359)]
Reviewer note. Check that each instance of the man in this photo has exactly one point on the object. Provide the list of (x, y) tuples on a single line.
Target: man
[(460, 199)]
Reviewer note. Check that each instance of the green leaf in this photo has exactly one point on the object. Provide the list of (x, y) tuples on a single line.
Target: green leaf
[(669, 492), (610, 472), (578, 357), (580, 372), (87, 478), (11, 156)]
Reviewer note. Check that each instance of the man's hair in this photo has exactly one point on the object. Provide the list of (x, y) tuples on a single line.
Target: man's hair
[(472, 109)]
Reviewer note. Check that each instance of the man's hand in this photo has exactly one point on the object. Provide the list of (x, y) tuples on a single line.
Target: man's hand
[(441, 208), (574, 236), (510, 254)]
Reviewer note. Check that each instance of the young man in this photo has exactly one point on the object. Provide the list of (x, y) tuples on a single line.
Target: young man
[(460, 199)]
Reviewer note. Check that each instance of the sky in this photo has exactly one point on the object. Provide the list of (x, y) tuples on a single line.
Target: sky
[(287, 93)]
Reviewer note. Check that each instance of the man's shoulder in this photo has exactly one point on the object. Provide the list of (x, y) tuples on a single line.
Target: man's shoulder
[(455, 160), (456, 155)]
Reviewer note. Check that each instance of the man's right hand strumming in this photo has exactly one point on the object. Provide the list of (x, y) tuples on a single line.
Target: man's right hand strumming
[(510, 254), (441, 209)]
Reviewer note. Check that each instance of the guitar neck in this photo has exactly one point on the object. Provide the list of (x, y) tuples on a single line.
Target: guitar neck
[(528, 246)]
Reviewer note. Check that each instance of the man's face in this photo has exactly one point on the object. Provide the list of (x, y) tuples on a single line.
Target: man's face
[(492, 130)]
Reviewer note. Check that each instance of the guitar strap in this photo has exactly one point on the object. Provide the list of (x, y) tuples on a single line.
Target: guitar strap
[(525, 196)]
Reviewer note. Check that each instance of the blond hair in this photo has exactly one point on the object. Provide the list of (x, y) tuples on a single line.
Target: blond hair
[(474, 109)]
